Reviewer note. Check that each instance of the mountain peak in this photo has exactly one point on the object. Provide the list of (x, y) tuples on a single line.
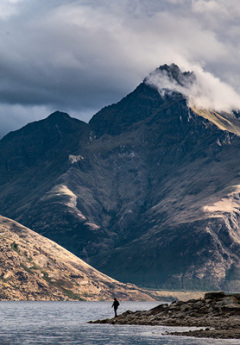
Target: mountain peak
[(174, 73), (201, 89), (170, 77), (64, 121), (58, 114)]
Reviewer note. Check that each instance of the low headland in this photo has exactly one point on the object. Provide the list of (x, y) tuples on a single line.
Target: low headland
[(217, 315)]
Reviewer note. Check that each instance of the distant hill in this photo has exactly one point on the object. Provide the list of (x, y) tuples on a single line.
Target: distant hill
[(35, 268), (147, 192)]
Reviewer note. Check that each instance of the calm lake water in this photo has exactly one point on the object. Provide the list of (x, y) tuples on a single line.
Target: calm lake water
[(65, 323)]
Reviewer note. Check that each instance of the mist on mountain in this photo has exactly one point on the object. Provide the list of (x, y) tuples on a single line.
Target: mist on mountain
[(201, 88)]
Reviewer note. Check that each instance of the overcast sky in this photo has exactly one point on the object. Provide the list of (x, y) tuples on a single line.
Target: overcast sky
[(80, 55)]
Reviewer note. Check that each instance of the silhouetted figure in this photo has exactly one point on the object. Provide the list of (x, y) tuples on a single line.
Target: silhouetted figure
[(115, 306)]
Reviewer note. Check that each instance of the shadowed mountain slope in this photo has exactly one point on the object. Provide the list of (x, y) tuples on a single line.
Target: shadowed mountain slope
[(147, 192)]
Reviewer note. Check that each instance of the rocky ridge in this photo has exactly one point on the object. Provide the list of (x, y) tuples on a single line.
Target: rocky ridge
[(218, 315)]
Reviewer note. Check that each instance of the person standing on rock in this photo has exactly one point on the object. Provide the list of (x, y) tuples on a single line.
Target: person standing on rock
[(115, 306)]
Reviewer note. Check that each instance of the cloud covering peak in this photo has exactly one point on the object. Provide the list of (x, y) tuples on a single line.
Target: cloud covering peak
[(201, 88)]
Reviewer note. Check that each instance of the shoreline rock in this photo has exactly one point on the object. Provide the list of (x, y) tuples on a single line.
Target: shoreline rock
[(218, 313)]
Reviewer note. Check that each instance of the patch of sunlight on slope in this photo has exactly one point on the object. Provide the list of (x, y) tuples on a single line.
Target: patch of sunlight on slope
[(228, 204), (224, 121), (228, 208), (62, 190)]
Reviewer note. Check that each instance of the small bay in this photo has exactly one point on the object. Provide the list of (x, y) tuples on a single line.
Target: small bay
[(66, 323)]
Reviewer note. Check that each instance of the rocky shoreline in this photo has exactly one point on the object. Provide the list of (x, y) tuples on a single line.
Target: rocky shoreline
[(217, 313)]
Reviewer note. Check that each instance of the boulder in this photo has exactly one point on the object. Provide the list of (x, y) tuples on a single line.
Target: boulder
[(214, 295)]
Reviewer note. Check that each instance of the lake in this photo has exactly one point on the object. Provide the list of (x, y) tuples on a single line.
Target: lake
[(66, 323)]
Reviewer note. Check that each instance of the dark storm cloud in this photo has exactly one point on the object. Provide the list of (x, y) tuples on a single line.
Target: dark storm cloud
[(78, 56)]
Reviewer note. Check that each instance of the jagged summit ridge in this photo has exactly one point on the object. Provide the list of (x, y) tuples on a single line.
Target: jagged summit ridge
[(172, 85), (175, 75), (169, 80)]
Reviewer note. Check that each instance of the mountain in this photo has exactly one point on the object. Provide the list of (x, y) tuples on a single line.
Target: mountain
[(35, 268), (147, 192)]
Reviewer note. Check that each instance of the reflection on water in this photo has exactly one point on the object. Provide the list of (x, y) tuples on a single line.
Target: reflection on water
[(65, 323)]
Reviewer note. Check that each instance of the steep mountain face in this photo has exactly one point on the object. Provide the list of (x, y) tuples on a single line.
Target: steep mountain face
[(35, 268), (147, 192)]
